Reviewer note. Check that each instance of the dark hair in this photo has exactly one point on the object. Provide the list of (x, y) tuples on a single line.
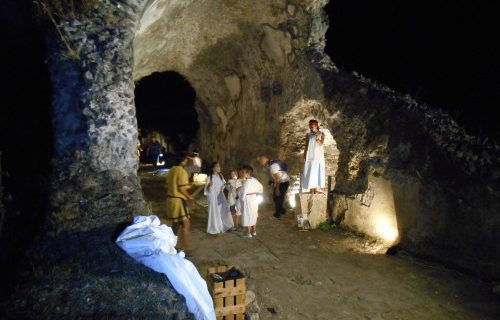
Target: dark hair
[(313, 121), (247, 168), (179, 157), (212, 166)]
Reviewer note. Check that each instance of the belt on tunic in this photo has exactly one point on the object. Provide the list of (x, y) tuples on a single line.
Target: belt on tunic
[(249, 194), (169, 196)]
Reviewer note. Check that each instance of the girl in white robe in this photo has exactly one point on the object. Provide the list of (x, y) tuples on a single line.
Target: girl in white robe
[(249, 195), (314, 159), (219, 217)]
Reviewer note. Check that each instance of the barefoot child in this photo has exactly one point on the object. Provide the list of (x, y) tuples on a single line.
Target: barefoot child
[(250, 204), (233, 186)]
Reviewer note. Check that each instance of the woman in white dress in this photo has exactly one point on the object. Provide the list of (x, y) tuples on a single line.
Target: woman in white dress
[(219, 217), (314, 159)]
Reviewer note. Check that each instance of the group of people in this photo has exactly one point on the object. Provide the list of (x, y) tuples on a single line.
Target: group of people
[(243, 190), (243, 200)]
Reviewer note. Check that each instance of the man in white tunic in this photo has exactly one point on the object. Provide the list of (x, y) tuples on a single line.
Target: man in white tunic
[(219, 217), (250, 204), (314, 159)]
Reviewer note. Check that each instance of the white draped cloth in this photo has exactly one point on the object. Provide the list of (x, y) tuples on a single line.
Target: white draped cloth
[(219, 216), (153, 244), (314, 167), (249, 201)]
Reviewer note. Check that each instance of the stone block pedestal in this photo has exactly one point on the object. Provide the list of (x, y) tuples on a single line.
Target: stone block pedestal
[(310, 210)]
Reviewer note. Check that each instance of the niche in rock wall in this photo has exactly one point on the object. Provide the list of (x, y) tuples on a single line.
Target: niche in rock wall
[(294, 127), (165, 105)]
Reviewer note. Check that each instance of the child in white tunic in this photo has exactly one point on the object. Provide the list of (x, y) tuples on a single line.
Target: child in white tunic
[(233, 186), (250, 204), (314, 159), (219, 217)]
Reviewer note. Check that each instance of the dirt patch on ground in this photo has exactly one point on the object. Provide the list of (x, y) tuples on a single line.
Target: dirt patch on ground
[(331, 274)]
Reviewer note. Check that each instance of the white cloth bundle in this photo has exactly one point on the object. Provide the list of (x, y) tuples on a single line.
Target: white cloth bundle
[(153, 245)]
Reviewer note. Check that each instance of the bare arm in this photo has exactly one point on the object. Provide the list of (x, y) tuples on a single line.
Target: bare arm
[(185, 192), (277, 181), (321, 138), (307, 146)]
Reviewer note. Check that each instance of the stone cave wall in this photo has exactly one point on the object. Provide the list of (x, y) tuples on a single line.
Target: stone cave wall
[(94, 120), (257, 67), (245, 60), (396, 154)]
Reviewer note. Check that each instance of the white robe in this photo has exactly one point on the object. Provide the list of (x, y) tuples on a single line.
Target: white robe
[(233, 184), (249, 201), (314, 167), (219, 217)]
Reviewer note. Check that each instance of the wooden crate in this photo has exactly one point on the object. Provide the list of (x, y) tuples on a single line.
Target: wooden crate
[(228, 296)]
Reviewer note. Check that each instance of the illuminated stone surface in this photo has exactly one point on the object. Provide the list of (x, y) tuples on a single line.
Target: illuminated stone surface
[(310, 209)]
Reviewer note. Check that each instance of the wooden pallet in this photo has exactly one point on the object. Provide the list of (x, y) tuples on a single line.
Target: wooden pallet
[(228, 296)]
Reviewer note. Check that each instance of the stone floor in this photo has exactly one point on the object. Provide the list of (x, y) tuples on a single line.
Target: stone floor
[(332, 274)]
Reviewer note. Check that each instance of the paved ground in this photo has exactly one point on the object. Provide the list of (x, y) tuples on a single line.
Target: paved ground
[(332, 274)]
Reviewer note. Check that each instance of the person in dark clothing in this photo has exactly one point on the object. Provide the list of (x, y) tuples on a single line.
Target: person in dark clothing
[(281, 182), (154, 151)]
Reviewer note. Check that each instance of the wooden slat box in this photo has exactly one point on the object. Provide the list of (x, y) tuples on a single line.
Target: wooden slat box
[(228, 296)]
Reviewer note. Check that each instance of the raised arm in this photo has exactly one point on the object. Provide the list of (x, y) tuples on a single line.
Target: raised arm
[(321, 138)]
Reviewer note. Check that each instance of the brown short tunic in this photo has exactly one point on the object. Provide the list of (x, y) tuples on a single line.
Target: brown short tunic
[(175, 203)]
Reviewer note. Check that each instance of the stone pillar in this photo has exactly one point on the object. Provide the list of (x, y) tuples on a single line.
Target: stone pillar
[(310, 209), (95, 166)]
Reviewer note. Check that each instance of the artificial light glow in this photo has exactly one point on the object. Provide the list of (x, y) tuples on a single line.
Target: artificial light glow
[(386, 230), (260, 199), (291, 199), (200, 178)]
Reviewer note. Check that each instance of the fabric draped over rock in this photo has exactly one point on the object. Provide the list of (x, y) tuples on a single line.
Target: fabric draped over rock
[(153, 244)]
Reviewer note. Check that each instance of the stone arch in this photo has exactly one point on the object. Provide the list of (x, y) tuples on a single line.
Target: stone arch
[(165, 103), (247, 69)]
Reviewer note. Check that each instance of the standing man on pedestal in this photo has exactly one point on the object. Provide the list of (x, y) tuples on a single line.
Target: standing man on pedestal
[(281, 182)]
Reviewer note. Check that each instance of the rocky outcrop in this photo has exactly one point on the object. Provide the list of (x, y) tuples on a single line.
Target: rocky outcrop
[(310, 210), (259, 73)]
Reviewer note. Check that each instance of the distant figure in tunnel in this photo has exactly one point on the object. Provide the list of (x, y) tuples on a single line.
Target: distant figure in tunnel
[(280, 182), (153, 152), (314, 159), (179, 199), (219, 217)]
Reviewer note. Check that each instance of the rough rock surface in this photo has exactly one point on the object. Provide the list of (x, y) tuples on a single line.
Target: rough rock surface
[(255, 67), (251, 306), (372, 212), (310, 209)]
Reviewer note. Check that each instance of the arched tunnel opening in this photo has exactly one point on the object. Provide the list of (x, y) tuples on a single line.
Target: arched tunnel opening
[(245, 85), (165, 113)]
